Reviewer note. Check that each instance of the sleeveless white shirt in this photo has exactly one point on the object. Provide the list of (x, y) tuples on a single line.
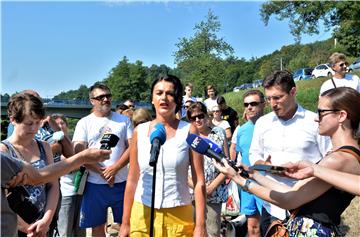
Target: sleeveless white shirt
[(171, 189)]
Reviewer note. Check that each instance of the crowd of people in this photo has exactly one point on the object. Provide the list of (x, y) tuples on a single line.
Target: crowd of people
[(319, 152)]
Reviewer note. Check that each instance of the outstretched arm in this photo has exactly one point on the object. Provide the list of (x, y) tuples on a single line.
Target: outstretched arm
[(32, 176), (342, 180)]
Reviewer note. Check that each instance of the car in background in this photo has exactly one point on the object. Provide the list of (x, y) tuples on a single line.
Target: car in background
[(322, 70), (257, 83), (303, 74), (243, 87), (355, 65)]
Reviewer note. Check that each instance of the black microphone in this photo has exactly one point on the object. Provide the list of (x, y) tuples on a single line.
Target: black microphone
[(201, 146), (157, 138)]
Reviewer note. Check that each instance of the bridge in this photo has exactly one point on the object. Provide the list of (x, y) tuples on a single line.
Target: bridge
[(70, 108)]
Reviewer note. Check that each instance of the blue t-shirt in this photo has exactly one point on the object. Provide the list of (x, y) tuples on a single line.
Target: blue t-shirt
[(243, 141)]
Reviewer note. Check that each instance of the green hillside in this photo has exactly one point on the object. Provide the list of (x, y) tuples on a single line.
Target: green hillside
[(307, 95)]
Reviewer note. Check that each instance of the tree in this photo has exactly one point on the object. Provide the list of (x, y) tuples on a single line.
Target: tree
[(341, 16), (127, 81), (199, 58)]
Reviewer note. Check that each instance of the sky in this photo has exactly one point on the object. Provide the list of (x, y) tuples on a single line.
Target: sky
[(57, 46)]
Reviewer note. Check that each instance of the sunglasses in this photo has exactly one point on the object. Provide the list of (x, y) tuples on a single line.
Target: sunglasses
[(320, 111), (216, 111), (199, 116), (343, 64), (102, 97), (253, 104)]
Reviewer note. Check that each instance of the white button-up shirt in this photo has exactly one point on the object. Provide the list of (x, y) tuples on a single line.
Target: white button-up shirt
[(287, 141)]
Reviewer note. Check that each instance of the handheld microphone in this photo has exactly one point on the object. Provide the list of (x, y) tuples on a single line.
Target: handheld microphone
[(201, 146), (213, 146), (157, 138), (108, 141)]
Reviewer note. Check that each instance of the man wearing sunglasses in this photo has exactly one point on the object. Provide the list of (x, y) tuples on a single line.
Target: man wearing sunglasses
[(287, 134), (251, 206), (340, 79), (106, 182)]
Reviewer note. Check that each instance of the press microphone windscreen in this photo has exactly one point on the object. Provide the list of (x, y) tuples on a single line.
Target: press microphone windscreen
[(158, 132)]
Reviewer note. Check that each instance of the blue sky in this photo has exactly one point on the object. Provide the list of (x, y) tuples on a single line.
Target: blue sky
[(57, 46)]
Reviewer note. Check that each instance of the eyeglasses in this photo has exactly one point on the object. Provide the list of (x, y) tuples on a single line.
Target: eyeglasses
[(275, 97), (216, 111), (131, 106), (199, 116), (253, 104), (320, 111), (102, 97)]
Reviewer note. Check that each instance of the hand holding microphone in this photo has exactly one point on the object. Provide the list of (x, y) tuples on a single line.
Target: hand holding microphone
[(201, 146)]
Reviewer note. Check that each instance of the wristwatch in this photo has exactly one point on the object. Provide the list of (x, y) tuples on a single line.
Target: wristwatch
[(246, 185)]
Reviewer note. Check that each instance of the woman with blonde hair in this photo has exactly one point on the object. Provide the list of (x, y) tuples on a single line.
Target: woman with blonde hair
[(141, 115)]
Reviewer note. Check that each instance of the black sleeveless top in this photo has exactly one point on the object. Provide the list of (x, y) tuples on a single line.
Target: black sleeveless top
[(328, 208)]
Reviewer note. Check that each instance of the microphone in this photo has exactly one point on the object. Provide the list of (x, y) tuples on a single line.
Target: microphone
[(201, 146), (157, 138), (213, 145)]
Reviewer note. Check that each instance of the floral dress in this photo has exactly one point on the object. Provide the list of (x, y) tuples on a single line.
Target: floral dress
[(219, 195), (306, 227)]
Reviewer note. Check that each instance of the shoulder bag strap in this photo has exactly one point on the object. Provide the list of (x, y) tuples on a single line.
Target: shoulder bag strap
[(332, 80), (351, 150)]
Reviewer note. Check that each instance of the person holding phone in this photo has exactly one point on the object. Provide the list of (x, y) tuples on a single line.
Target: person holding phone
[(319, 204), (287, 134)]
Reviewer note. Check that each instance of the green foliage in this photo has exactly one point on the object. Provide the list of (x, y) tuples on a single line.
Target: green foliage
[(200, 57), (127, 80), (81, 93), (305, 16)]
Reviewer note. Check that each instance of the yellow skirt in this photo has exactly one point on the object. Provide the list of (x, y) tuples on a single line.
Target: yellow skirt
[(177, 221)]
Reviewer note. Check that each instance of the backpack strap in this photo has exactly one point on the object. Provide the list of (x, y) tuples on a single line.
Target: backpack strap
[(351, 150)]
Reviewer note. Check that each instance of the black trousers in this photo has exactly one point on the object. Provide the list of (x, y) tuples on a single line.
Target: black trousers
[(265, 221)]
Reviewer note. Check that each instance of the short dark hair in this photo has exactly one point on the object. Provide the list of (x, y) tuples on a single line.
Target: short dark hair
[(196, 105), (98, 85), (284, 79), (178, 88), (221, 100), (24, 104), (255, 92)]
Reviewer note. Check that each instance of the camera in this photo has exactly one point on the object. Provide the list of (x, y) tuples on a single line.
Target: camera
[(19, 201), (108, 141)]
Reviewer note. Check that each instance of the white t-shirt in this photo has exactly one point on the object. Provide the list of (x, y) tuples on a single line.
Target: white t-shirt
[(349, 80), (91, 129), (171, 189), (223, 124), (287, 141), (210, 103)]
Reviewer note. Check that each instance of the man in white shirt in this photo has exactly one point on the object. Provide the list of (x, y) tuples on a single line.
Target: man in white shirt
[(341, 78), (288, 133), (211, 101), (107, 180)]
